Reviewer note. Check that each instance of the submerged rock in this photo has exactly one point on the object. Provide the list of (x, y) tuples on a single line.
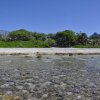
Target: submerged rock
[(5, 85), (70, 78)]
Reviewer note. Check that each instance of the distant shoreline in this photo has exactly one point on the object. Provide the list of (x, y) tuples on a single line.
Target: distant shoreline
[(49, 51)]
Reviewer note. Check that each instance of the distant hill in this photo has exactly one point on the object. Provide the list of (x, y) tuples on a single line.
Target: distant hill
[(3, 32)]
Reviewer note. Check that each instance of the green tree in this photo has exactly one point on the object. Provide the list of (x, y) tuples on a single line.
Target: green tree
[(82, 38), (21, 34), (51, 42), (65, 38), (95, 36), (40, 36), (1, 37), (51, 36)]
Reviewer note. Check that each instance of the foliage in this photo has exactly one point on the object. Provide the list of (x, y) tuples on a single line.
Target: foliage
[(86, 46), (65, 38), (95, 36), (82, 38), (23, 44), (51, 42), (68, 38), (1, 37), (39, 36), (21, 34), (51, 36)]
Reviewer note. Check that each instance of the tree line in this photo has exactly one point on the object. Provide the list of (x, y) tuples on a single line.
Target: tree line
[(66, 38)]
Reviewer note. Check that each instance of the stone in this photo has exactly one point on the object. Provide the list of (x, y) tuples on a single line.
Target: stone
[(62, 75), (45, 96), (16, 98), (7, 97), (47, 83), (92, 85), (79, 97), (36, 77), (9, 93), (25, 91), (5, 86), (19, 87), (33, 98), (69, 93), (11, 83), (31, 86), (57, 77), (55, 85), (29, 80), (63, 85)]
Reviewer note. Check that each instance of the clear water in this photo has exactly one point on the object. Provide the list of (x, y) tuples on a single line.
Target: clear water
[(51, 77)]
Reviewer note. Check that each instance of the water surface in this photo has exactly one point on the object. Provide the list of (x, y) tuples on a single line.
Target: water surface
[(51, 77)]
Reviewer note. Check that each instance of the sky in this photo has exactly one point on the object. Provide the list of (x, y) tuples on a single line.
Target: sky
[(50, 16)]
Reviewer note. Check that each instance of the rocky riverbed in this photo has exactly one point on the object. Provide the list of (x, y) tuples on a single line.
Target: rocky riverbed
[(50, 77)]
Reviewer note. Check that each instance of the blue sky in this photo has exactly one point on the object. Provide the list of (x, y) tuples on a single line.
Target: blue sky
[(50, 16)]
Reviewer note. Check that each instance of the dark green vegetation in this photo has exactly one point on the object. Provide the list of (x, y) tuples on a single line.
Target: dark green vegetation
[(66, 38), (26, 39), (23, 44)]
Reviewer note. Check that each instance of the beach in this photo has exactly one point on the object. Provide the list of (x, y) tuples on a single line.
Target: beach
[(33, 51)]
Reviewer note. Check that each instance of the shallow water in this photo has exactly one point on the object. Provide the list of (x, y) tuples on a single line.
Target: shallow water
[(51, 77)]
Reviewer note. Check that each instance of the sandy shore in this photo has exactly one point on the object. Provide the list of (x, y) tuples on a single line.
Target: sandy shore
[(32, 51)]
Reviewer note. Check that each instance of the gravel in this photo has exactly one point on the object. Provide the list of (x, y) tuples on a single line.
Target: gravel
[(50, 78)]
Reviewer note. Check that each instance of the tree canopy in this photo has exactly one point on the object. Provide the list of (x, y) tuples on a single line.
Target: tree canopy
[(65, 38), (21, 34)]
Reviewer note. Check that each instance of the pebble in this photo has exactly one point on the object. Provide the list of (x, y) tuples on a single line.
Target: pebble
[(55, 85), (5, 86), (63, 85), (19, 87), (69, 93), (25, 91), (36, 77), (9, 93), (16, 98), (11, 83), (31, 86), (62, 75), (79, 97), (45, 96), (33, 98), (92, 85), (42, 81), (46, 83), (57, 77)]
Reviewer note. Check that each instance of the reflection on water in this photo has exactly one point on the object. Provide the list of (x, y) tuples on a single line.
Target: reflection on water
[(51, 77)]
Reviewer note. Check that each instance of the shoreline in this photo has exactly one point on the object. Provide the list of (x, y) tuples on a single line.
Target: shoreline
[(49, 51)]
